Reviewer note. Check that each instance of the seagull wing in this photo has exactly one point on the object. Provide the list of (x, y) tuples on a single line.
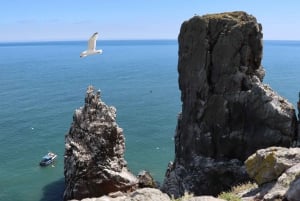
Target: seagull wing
[(92, 42)]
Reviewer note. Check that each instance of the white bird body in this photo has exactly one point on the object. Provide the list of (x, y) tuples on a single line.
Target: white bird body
[(91, 47)]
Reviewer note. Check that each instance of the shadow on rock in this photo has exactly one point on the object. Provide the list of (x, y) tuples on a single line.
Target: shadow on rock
[(54, 191), (260, 192)]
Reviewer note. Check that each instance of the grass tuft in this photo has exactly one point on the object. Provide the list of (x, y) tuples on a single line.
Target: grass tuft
[(235, 193), (186, 196), (229, 196)]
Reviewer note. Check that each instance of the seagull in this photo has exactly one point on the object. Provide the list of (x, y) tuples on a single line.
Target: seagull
[(91, 47)]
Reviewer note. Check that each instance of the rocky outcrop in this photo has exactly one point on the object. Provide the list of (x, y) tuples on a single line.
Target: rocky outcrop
[(227, 112), (268, 164), (143, 194), (203, 198), (94, 152), (148, 194), (146, 180), (204, 175), (277, 171)]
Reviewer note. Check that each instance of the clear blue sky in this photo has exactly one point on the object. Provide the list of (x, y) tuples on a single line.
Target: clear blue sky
[(36, 20)]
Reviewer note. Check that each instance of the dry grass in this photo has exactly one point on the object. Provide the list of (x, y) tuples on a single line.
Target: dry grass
[(186, 196), (229, 196), (235, 193)]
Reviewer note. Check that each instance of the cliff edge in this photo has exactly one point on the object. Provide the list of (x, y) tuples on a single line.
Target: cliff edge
[(227, 112)]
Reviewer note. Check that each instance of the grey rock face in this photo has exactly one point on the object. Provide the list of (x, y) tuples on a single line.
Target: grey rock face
[(202, 174), (227, 112), (293, 193), (94, 152)]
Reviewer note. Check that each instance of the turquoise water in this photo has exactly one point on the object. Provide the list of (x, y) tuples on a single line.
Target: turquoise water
[(41, 84), (281, 60)]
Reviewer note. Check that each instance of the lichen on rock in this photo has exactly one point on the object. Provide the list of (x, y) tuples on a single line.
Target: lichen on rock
[(268, 164), (277, 172), (94, 152)]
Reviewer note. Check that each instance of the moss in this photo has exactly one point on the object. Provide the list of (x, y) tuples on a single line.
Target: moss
[(237, 15), (250, 163), (267, 169), (262, 169)]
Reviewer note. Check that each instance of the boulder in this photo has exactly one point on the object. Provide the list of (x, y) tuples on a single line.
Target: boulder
[(203, 198), (227, 112), (142, 194), (147, 194), (268, 164), (94, 163), (293, 193), (277, 171), (146, 180)]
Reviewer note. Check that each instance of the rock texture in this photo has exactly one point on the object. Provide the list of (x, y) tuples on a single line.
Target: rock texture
[(227, 112), (203, 198), (148, 194), (277, 171), (143, 194), (94, 152), (268, 164), (146, 180)]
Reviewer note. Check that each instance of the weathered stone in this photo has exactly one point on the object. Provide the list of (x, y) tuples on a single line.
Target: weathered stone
[(285, 188), (293, 193), (268, 164), (146, 180), (279, 169), (143, 194), (206, 172), (147, 194), (203, 198), (227, 112), (94, 152)]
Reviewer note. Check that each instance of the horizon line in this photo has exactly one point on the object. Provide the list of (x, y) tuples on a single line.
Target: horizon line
[(129, 39)]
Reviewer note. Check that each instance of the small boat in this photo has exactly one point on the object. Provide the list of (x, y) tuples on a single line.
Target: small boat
[(48, 159)]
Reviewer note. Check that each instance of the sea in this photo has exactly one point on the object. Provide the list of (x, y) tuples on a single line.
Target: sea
[(42, 83)]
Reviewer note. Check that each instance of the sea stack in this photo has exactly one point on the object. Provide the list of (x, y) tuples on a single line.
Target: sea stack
[(227, 112), (94, 152)]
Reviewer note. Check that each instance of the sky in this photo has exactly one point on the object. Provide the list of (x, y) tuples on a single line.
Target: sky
[(56, 20)]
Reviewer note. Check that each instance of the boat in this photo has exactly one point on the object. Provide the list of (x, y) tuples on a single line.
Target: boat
[(48, 159)]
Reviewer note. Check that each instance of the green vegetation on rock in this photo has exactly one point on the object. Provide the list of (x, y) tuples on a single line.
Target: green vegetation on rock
[(235, 193)]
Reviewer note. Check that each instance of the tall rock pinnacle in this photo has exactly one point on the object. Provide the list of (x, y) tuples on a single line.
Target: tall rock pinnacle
[(227, 112), (94, 152)]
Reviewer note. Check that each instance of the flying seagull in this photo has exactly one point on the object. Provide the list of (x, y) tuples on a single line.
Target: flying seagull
[(91, 47)]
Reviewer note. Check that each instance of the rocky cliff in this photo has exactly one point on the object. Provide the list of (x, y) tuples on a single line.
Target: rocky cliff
[(227, 112), (94, 152)]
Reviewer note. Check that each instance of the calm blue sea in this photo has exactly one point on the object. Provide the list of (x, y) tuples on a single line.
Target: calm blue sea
[(42, 83)]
